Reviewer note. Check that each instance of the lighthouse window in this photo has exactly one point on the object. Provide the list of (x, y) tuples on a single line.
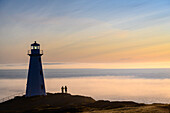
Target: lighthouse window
[(40, 72), (35, 47)]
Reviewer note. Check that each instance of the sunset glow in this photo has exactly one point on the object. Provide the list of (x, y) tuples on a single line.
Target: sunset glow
[(86, 33)]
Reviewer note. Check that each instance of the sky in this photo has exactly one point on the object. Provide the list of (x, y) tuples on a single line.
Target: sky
[(86, 33)]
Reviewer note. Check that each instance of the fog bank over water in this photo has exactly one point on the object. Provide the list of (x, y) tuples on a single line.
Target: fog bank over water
[(67, 73), (105, 87), (139, 85)]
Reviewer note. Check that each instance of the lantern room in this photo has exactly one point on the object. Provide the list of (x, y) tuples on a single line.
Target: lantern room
[(35, 45), (35, 49)]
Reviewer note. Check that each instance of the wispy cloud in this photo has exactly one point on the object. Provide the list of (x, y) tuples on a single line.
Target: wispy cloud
[(84, 31), (53, 63)]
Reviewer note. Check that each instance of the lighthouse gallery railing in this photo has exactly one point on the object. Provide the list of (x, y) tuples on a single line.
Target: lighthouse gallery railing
[(29, 52)]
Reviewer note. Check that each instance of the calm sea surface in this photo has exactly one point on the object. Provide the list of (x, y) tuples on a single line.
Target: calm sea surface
[(140, 85)]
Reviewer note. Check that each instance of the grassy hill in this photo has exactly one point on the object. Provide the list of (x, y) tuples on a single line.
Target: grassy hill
[(67, 103)]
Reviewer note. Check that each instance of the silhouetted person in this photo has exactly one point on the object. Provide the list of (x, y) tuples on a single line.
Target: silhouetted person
[(62, 89), (65, 89)]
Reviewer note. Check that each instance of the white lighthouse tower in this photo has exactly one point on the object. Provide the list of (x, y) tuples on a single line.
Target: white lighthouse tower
[(35, 80)]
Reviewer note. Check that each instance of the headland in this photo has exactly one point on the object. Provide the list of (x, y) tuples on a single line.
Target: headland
[(67, 103)]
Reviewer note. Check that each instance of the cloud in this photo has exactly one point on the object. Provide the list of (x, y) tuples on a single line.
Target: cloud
[(54, 63), (13, 65)]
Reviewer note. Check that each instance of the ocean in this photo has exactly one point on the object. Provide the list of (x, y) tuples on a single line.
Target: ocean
[(139, 85)]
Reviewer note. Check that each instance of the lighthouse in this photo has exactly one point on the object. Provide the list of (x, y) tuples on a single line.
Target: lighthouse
[(35, 80)]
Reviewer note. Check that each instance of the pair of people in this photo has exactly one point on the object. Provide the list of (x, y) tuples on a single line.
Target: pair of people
[(64, 88)]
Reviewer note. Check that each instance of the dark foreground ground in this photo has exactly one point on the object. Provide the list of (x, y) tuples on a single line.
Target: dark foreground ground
[(67, 103)]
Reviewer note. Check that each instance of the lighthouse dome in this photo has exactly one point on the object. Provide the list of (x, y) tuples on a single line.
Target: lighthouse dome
[(35, 44)]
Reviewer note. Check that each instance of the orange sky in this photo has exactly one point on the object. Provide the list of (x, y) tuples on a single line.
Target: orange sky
[(131, 37)]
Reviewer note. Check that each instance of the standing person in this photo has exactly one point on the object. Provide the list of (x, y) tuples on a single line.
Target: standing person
[(65, 89), (62, 89)]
